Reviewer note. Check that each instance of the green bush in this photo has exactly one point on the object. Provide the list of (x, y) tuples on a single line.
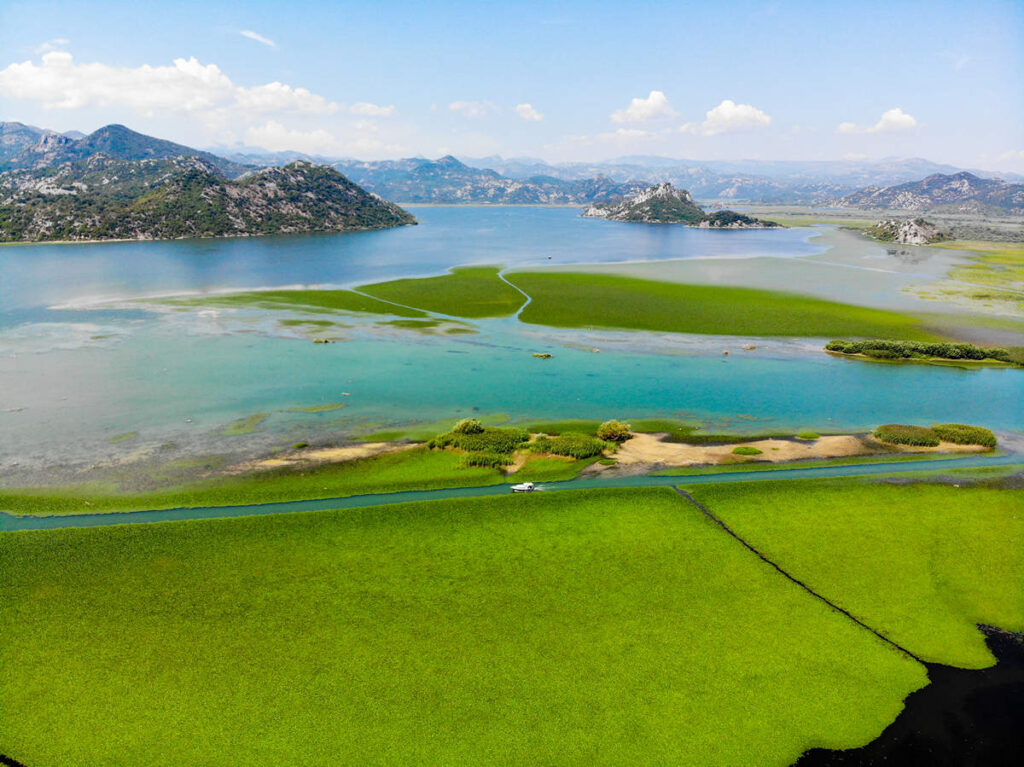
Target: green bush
[(963, 434), (300, 445), (573, 444), (614, 431), (808, 435), (487, 440), (468, 426), (486, 460), (746, 450), (903, 434), (881, 354), (887, 349)]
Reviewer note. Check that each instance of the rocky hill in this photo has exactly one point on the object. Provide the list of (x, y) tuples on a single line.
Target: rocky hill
[(664, 204), (448, 180), (954, 193), (906, 231), (106, 198), (28, 147)]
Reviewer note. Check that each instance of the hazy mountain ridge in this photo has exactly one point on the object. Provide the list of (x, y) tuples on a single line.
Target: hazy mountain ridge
[(961, 192), (447, 180), (804, 182), (106, 198)]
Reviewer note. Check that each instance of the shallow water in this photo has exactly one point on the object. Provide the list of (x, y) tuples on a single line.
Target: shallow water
[(73, 378)]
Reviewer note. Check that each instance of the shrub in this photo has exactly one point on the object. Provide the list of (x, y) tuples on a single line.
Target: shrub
[(572, 444), (887, 349), (487, 440), (746, 450), (903, 434), (963, 434), (300, 445), (607, 462), (614, 431), (486, 460), (468, 426), (881, 354), (808, 435)]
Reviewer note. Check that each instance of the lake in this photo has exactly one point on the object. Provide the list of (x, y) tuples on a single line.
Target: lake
[(80, 364)]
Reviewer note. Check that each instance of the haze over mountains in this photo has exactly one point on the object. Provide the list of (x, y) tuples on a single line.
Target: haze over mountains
[(35, 161)]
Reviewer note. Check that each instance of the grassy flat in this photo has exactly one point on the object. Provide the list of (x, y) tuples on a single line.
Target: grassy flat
[(416, 469), (469, 291), (922, 564), (581, 300), (598, 627), (316, 300)]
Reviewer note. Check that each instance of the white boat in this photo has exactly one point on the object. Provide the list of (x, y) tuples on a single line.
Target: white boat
[(524, 487)]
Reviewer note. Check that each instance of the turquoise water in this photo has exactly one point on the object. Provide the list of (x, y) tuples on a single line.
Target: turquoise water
[(71, 379)]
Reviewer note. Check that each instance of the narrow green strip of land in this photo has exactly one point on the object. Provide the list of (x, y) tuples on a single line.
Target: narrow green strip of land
[(582, 300), (415, 469), (308, 300), (469, 291), (599, 627), (922, 564)]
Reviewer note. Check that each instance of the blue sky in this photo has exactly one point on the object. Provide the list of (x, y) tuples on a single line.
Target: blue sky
[(561, 81)]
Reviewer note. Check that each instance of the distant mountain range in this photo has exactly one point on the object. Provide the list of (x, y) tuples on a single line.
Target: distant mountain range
[(25, 146), (955, 193), (447, 180), (664, 204), (103, 196)]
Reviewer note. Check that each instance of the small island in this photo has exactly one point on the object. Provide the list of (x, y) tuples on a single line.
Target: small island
[(664, 204)]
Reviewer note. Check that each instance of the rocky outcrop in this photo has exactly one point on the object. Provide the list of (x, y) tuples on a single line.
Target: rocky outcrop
[(664, 204), (915, 231)]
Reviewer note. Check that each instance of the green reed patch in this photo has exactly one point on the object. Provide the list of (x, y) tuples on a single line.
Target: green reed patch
[(580, 300), (906, 434), (964, 434), (469, 291), (599, 627), (922, 564)]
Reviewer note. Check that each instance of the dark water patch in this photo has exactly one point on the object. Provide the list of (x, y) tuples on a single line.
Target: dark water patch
[(964, 717)]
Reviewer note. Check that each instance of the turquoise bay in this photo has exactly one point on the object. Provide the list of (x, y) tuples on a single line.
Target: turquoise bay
[(74, 377)]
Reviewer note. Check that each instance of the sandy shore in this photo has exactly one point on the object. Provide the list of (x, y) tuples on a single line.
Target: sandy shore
[(321, 455), (649, 450)]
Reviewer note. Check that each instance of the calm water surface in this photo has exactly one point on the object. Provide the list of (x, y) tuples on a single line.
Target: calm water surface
[(72, 378)]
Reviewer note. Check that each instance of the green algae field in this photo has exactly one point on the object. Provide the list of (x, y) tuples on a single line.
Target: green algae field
[(599, 626)]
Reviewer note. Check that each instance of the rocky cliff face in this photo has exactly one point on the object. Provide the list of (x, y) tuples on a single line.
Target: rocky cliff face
[(104, 198), (664, 204), (906, 231)]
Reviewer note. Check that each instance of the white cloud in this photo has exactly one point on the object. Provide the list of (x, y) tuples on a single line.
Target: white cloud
[(854, 157), (892, 121), (1013, 154), (527, 112), (366, 109), (278, 97), (188, 86), (691, 128), (625, 136), (276, 137), (360, 139), (472, 109), (654, 107), (257, 37), (52, 45), (730, 116)]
